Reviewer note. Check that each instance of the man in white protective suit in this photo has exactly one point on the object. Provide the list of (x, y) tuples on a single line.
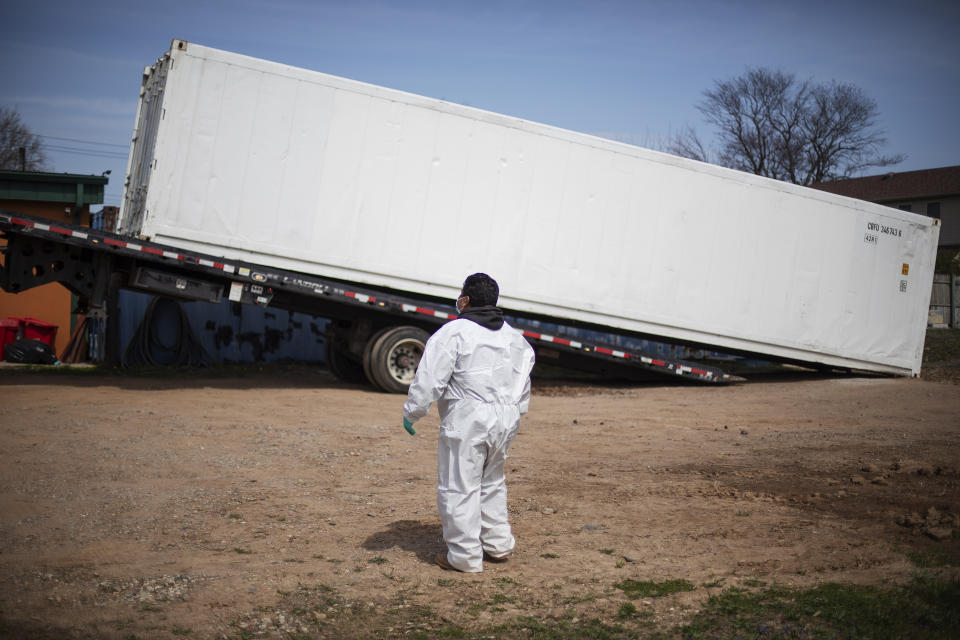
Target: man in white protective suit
[(477, 369)]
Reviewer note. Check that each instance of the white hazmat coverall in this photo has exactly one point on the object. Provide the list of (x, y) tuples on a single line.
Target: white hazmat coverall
[(480, 379)]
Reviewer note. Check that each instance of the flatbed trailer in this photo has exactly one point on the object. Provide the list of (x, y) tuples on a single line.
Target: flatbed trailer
[(374, 334)]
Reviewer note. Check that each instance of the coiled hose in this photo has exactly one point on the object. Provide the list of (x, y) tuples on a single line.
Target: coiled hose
[(146, 348)]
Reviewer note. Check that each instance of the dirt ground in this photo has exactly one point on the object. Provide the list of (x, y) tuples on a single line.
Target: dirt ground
[(287, 504)]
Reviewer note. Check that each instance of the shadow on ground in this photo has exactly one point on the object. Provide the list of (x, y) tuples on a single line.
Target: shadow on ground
[(424, 539)]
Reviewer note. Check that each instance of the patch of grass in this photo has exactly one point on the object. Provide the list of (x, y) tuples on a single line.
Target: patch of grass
[(442, 632), (378, 560), (491, 604), (393, 577), (643, 589), (241, 550), (503, 582), (307, 599), (929, 559), (180, 631), (941, 345), (120, 623), (55, 369), (713, 584), (149, 607), (419, 613), (550, 556), (608, 552), (528, 627), (750, 582), (924, 608), (235, 516), (446, 582)]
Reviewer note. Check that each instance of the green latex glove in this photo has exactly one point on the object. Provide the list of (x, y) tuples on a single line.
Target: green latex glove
[(408, 426)]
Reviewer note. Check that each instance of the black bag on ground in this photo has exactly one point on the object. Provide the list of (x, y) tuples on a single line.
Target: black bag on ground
[(29, 351)]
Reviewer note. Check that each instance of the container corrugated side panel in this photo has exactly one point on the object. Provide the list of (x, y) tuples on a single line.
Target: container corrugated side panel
[(301, 170)]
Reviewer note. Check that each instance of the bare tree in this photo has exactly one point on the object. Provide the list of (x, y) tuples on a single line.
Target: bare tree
[(770, 124), (687, 143), (20, 149), (843, 138)]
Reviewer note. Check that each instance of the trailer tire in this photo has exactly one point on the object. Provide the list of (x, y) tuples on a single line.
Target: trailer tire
[(365, 360), (393, 357)]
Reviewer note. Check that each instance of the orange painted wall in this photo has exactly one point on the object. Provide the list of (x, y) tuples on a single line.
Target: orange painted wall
[(51, 302)]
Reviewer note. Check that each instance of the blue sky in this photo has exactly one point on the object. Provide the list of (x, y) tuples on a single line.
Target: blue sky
[(632, 71)]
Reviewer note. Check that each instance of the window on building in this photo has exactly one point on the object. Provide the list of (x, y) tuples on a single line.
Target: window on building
[(906, 207), (933, 210)]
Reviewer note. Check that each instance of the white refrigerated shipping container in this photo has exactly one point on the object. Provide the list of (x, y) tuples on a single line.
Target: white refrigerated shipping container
[(297, 169)]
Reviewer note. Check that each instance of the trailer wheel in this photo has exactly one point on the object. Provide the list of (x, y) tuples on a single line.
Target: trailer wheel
[(367, 357), (393, 357)]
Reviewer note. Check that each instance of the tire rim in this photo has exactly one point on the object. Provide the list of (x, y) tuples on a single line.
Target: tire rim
[(402, 360)]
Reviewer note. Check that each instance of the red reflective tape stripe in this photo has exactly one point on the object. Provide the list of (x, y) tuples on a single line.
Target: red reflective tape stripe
[(531, 334), (700, 372), (218, 265), (351, 294), (61, 230), (659, 363), (115, 243), (156, 252), (562, 341), (602, 350), (24, 223)]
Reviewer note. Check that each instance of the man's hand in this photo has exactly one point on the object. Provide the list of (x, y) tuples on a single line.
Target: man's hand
[(408, 426)]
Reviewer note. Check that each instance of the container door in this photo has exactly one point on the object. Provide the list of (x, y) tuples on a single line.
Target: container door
[(140, 162)]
